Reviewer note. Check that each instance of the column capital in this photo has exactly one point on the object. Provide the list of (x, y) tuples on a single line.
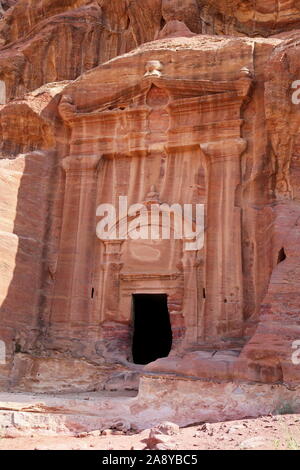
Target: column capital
[(81, 164), (221, 150)]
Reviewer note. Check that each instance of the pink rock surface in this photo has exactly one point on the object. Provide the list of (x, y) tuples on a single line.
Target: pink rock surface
[(165, 102)]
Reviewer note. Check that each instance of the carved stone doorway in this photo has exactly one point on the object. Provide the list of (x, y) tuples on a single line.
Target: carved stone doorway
[(152, 334)]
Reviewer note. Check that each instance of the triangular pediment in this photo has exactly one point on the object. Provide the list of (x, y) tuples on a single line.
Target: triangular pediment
[(180, 71)]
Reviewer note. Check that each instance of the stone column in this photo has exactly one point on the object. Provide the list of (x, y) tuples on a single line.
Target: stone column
[(190, 301), (109, 291), (224, 296), (78, 235)]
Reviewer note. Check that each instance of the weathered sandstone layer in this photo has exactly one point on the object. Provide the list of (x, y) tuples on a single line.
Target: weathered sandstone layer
[(165, 102)]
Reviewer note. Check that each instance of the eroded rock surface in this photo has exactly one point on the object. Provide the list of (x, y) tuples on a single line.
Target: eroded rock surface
[(165, 102)]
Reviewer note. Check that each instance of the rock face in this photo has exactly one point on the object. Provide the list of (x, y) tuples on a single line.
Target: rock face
[(165, 102)]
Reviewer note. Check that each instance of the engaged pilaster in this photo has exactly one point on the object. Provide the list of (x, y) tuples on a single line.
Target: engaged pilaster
[(73, 285), (224, 296)]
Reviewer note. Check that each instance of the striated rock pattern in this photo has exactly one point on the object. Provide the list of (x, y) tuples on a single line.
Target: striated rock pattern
[(166, 102), (93, 32)]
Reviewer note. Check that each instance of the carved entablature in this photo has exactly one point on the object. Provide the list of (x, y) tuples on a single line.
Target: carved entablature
[(194, 111)]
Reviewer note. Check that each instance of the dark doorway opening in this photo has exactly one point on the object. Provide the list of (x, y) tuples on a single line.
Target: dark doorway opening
[(152, 333)]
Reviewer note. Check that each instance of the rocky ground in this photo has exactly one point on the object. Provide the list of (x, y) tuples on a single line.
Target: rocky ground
[(280, 432)]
